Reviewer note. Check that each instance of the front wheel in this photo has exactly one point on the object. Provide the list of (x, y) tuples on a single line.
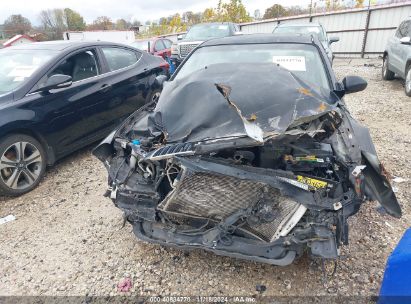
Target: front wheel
[(408, 81), (386, 73), (22, 164)]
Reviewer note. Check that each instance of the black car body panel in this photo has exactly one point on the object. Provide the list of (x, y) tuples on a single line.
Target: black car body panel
[(246, 161), (69, 118)]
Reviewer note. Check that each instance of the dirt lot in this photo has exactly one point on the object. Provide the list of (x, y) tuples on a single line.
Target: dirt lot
[(68, 239)]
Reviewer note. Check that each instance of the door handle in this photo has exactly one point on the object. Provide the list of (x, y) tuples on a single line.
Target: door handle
[(105, 88)]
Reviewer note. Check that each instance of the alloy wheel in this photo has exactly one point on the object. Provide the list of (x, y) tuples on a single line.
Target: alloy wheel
[(408, 81), (384, 67), (20, 165)]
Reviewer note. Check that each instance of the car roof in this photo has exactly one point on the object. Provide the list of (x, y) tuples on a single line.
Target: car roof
[(60, 45), (212, 23), (263, 38), (299, 24)]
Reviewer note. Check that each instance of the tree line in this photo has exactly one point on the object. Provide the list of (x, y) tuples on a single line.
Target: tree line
[(53, 22)]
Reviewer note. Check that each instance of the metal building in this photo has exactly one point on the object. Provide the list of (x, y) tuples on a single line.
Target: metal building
[(362, 31)]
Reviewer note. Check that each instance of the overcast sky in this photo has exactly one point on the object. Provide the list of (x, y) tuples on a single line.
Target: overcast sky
[(141, 10)]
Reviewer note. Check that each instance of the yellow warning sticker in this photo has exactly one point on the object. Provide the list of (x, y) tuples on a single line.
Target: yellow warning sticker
[(318, 184)]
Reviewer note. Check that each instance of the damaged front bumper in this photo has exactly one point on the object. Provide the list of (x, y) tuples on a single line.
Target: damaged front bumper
[(267, 195)]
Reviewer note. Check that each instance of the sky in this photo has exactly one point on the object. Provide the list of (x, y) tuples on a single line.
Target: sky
[(131, 10)]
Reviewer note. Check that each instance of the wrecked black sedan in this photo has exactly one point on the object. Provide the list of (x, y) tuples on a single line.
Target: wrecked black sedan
[(250, 152)]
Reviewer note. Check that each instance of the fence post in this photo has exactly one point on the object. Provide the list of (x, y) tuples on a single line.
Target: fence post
[(367, 24)]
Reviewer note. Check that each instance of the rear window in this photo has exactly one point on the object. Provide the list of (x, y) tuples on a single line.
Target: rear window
[(118, 58), (316, 30), (207, 31)]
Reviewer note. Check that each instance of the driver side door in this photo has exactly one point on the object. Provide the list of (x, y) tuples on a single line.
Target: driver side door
[(62, 109)]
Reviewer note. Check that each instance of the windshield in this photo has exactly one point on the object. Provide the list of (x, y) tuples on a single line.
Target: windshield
[(141, 45), (207, 31), (16, 66), (301, 30), (302, 60)]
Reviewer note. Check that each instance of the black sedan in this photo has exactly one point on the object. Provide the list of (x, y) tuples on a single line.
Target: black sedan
[(262, 160), (56, 97)]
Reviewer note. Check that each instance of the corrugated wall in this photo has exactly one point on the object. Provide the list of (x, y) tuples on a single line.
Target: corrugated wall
[(350, 27)]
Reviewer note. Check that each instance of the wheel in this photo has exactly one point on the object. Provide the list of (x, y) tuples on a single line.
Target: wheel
[(408, 81), (154, 96), (386, 73), (22, 164)]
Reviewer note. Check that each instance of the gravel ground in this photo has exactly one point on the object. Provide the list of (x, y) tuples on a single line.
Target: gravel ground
[(68, 239)]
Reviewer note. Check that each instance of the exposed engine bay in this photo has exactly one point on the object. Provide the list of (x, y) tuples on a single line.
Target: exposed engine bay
[(264, 181)]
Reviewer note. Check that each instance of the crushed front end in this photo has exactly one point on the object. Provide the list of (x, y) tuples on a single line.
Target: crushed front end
[(265, 182)]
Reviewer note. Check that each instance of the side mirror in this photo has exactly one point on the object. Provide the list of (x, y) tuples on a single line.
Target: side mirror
[(334, 39), (405, 40), (180, 37), (354, 84), (160, 80), (57, 81)]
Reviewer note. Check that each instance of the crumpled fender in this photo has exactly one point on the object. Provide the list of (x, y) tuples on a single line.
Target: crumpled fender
[(377, 185), (353, 144)]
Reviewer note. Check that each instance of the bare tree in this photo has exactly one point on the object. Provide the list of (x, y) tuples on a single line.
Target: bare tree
[(16, 24)]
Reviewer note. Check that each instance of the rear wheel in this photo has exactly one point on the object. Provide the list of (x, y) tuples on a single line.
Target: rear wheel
[(386, 73), (408, 81), (22, 164)]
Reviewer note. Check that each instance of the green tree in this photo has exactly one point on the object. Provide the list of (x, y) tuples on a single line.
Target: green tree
[(122, 25), (275, 11), (209, 15), (74, 21), (16, 25), (359, 3), (233, 11), (102, 23)]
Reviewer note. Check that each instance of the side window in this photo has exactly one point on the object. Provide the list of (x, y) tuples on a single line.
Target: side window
[(118, 58), (159, 46), (167, 43), (406, 31), (398, 32), (79, 66), (403, 29)]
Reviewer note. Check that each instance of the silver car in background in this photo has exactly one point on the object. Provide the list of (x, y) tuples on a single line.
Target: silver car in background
[(309, 28), (397, 55)]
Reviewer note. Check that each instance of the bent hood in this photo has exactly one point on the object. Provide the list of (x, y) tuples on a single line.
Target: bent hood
[(228, 100)]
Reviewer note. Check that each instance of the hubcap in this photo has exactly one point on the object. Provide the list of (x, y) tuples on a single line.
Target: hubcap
[(20, 165), (408, 81)]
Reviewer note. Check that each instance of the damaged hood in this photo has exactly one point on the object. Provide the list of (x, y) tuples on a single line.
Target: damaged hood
[(227, 101)]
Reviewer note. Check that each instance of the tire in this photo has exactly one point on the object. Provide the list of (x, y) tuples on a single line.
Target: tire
[(386, 73), (20, 172), (408, 81)]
